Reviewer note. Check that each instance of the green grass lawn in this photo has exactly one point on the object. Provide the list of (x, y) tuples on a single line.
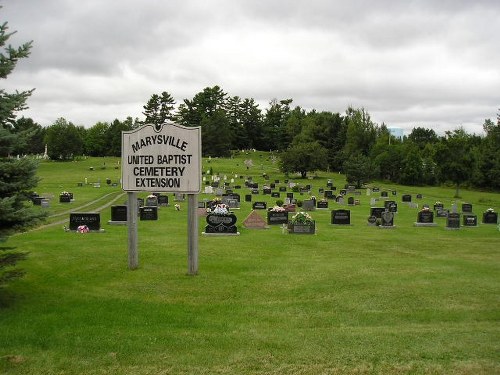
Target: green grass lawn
[(355, 300)]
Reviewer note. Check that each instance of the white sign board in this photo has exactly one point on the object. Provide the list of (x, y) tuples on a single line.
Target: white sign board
[(164, 159)]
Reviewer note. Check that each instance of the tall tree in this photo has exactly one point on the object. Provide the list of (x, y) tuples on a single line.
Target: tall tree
[(454, 158), (275, 125), (303, 157), (489, 156), (95, 140), (31, 135), (359, 169), (64, 140), (17, 176), (361, 132), (159, 109)]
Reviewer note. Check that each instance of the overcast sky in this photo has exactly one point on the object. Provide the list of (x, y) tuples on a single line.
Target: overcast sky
[(433, 63)]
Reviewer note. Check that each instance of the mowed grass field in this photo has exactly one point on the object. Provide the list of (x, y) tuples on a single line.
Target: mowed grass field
[(347, 300)]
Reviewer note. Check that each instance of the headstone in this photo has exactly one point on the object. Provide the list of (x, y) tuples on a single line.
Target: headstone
[(425, 218), (202, 204), (152, 200), (275, 194), (350, 201), (340, 200), (394, 192), (282, 189), (254, 221), (323, 204), (179, 197), (231, 201), (259, 206), (469, 220), (375, 190), (140, 202), (392, 206), (387, 219), (221, 224), (329, 194), (209, 190), (441, 212), (248, 197), (377, 211), (384, 194), (163, 200), (280, 217), (419, 196), (406, 198), (289, 195), (266, 191), (341, 217), (308, 205), (45, 203), (343, 192), (466, 207), (255, 191), (453, 221), (91, 219), (438, 206), (148, 213), (372, 220), (119, 213), (65, 198), (490, 217)]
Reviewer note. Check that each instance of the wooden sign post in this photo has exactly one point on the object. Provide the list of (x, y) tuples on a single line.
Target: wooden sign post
[(165, 158)]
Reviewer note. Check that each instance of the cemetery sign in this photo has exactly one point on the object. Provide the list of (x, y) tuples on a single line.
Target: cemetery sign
[(162, 159)]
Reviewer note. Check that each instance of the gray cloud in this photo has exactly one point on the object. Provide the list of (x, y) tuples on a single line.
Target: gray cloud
[(418, 63)]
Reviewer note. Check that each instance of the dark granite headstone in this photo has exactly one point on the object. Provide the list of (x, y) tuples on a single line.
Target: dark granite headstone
[(469, 220), (322, 204), (119, 213), (453, 220), (341, 217), (163, 200), (425, 217), (91, 219), (248, 198), (387, 219), (329, 194), (259, 205), (350, 201), (149, 213), (377, 211), (466, 207), (282, 189), (274, 218), (406, 198), (384, 194), (490, 217)]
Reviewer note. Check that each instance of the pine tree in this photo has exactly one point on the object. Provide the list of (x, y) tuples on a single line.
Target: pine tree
[(17, 177)]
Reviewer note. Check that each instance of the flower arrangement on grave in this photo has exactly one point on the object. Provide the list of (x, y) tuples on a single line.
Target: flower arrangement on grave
[(490, 210), (438, 203), (83, 229), (216, 207), (301, 218), (277, 209), (65, 193), (425, 208), (177, 207)]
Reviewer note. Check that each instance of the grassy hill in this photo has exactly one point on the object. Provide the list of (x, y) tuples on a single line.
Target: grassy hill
[(352, 299)]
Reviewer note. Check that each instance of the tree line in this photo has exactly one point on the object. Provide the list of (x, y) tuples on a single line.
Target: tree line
[(305, 140)]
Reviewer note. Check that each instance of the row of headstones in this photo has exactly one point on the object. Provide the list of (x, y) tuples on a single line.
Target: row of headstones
[(227, 223), (386, 218)]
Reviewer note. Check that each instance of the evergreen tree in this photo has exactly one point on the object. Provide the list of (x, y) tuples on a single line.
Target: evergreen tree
[(64, 140), (17, 176), (159, 109)]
